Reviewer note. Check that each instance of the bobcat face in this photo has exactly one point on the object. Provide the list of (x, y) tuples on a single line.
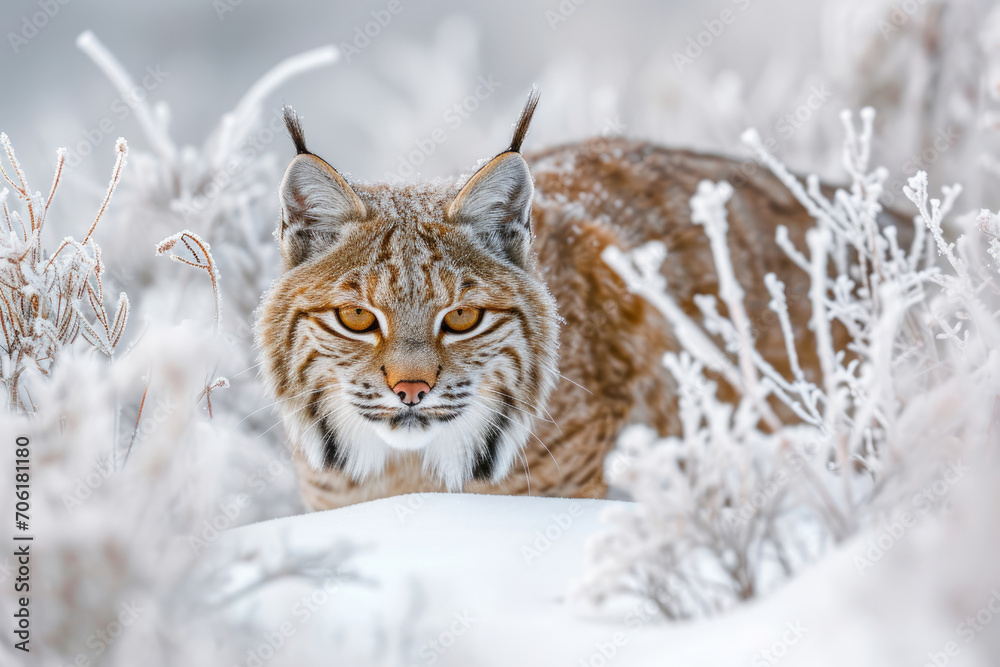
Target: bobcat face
[(409, 319)]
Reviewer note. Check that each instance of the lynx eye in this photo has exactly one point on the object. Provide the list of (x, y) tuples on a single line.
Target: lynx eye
[(357, 319), (462, 319)]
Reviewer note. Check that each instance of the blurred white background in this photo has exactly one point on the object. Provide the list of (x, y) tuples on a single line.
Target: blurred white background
[(603, 67)]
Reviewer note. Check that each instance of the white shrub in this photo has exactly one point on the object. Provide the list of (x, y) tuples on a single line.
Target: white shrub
[(43, 294), (741, 499), (133, 473)]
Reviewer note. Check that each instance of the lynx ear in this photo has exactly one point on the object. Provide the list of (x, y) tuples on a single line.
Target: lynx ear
[(496, 202), (315, 201), (496, 205)]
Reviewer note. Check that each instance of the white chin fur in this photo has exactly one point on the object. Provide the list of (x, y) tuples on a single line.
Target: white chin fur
[(448, 450), (404, 439)]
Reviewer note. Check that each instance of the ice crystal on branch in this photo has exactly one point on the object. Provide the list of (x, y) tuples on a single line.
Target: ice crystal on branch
[(990, 224)]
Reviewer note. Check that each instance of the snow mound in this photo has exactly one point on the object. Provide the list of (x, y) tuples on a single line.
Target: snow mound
[(453, 579)]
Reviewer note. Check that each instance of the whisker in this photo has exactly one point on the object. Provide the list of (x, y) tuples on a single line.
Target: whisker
[(577, 384), (514, 421), (261, 435), (556, 371), (271, 405), (520, 454), (261, 363), (311, 403), (530, 414), (550, 420)]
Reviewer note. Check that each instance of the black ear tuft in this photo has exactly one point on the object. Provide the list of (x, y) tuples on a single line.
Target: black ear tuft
[(295, 130), (521, 131)]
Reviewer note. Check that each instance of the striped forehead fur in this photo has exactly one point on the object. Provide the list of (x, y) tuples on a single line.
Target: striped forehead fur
[(410, 202)]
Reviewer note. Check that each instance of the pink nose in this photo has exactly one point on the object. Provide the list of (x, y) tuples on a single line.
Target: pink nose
[(411, 393)]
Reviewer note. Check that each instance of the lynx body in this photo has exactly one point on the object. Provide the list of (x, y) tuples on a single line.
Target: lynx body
[(466, 335)]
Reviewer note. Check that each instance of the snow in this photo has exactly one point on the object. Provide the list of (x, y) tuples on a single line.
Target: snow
[(430, 559)]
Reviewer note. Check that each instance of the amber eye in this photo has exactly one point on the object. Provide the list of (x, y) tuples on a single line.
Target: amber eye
[(462, 319), (357, 319)]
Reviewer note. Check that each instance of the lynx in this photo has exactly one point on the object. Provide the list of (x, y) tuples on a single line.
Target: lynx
[(465, 334)]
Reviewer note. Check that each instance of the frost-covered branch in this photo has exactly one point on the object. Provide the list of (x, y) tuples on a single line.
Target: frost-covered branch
[(154, 128), (42, 295), (236, 125), (715, 515), (202, 259)]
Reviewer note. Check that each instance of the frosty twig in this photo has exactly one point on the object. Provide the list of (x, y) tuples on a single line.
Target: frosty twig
[(41, 296), (201, 252)]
